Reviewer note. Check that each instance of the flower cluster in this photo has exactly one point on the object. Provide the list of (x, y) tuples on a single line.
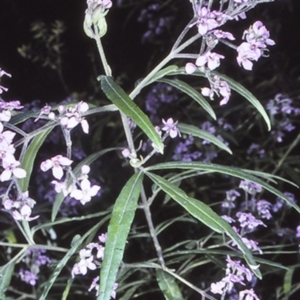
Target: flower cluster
[(157, 24), (90, 257), (236, 273), (188, 149), (257, 39), (20, 208), (81, 189), (281, 110), (160, 93), (208, 20), (33, 260)]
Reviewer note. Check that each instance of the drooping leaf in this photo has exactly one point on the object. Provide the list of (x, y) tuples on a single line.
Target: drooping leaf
[(168, 285), (234, 85), (29, 158), (118, 230), (202, 134), (206, 215), (162, 73), (235, 172), (191, 92), (117, 95)]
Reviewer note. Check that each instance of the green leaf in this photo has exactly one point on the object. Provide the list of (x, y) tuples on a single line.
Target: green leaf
[(160, 74), (75, 244), (191, 92), (168, 285), (234, 85), (22, 117), (5, 278), (29, 158), (118, 229), (236, 172), (117, 95), (194, 131), (287, 282), (206, 215)]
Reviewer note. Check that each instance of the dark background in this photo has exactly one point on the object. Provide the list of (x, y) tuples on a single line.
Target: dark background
[(128, 57)]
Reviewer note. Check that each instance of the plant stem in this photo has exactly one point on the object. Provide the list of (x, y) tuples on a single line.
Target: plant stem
[(147, 212)]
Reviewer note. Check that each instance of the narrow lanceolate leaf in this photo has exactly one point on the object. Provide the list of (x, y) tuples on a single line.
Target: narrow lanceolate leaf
[(77, 242), (206, 215), (29, 158), (168, 285), (118, 230), (191, 92), (236, 172), (5, 278), (162, 73), (234, 85), (194, 131), (61, 264), (118, 97)]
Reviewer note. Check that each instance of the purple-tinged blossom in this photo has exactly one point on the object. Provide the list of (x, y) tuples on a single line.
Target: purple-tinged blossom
[(11, 168), (220, 34), (207, 20), (20, 208), (212, 60), (263, 208), (280, 203), (220, 87), (255, 149), (252, 245), (83, 265), (6, 108), (86, 191), (231, 196), (6, 136), (73, 116), (190, 68), (246, 54), (170, 128), (250, 187), (46, 110), (56, 163), (248, 221), (28, 277), (228, 219), (257, 39), (298, 232), (95, 286)]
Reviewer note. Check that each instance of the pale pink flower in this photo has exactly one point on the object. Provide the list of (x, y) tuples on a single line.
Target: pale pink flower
[(6, 136), (190, 68), (86, 192), (56, 164), (212, 60), (83, 266), (170, 128), (12, 168), (73, 116)]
